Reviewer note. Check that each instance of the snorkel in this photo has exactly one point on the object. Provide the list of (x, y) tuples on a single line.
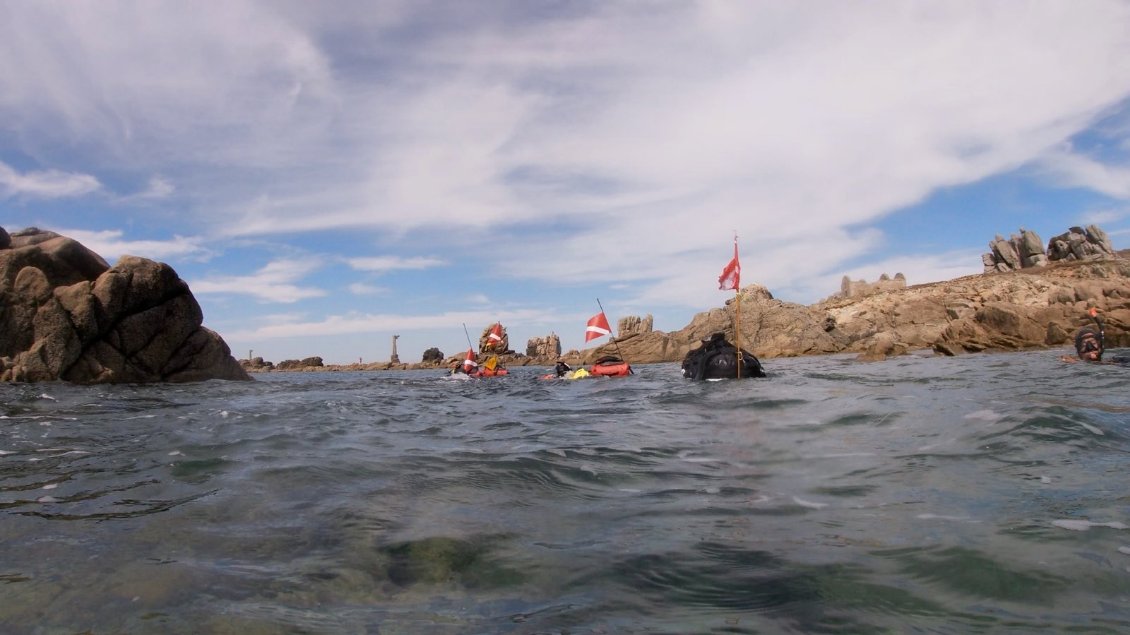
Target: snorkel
[(1094, 313), (1090, 343)]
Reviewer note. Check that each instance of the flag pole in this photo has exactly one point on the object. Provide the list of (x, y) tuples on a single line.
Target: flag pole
[(611, 335), (738, 328), (738, 314), (469, 344)]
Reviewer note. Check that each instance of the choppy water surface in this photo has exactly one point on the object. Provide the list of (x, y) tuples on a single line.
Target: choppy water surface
[(979, 494)]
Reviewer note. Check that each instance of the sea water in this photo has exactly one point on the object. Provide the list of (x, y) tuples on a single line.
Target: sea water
[(977, 494)]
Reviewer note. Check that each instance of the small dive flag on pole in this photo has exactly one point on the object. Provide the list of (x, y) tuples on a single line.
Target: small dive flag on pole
[(495, 336), (732, 273), (597, 327), (469, 363)]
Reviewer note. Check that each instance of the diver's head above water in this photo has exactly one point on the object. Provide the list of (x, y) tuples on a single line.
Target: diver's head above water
[(1088, 344)]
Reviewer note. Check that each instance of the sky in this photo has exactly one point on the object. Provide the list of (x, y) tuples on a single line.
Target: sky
[(326, 175)]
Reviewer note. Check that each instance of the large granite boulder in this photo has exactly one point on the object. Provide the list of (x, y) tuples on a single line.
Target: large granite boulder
[(1079, 243), (1018, 252), (1026, 250), (65, 314), (546, 348)]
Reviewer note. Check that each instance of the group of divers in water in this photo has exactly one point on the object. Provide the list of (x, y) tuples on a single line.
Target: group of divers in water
[(716, 358)]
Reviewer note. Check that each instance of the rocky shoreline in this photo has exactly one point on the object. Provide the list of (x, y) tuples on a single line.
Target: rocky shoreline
[(66, 314), (1023, 309)]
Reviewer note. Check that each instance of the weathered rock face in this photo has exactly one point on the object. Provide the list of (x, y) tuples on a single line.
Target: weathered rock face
[(1030, 308), (1018, 252), (1080, 244), (548, 347), (634, 325), (1026, 250), (66, 314)]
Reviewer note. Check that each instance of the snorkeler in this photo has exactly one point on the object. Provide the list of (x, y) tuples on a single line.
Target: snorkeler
[(1091, 343)]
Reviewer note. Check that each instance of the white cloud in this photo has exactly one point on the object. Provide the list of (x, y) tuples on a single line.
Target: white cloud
[(1103, 216), (361, 323), (611, 142), (655, 134), (45, 184), (1076, 170), (157, 188), (272, 283), (360, 288), (383, 264), (110, 245)]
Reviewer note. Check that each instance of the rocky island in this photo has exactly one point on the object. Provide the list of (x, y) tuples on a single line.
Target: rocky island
[(66, 314)]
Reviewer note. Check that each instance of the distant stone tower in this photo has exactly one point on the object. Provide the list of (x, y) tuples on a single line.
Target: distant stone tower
[(394, 359), (858, 288)]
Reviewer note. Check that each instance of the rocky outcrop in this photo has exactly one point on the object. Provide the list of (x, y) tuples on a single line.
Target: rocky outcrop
[(1026, 250), (548, 347), (634, 325), (1018, 252), (256, 365), (298, 364), (1080, 244), (65, 314)]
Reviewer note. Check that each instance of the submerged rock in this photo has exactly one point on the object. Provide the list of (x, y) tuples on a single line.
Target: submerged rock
[(65, 314)]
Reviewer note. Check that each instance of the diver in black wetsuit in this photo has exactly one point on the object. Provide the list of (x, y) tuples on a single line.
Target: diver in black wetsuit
[(717, 358)]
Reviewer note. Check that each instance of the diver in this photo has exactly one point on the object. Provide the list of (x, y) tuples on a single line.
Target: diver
[(562, 368), (716, 358), (1090, 344)]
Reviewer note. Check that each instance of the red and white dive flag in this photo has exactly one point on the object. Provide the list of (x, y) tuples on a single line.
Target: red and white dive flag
[(732, 273), (495, 335), (597, 327), (469, 364)]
